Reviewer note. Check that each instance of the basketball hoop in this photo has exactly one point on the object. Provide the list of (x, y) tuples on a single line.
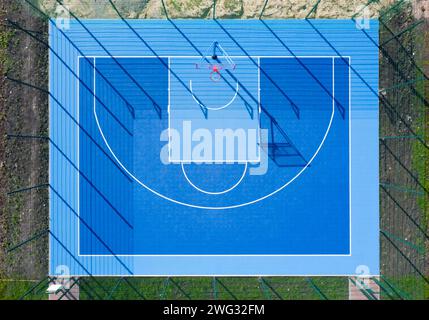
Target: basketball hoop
[(215, 62), (215, 73), (215, 69)]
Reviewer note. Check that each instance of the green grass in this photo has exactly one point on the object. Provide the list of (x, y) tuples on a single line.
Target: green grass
[(420, 152), (279, 288), (13, 290), (175, 5), (410, 287), (6, 37), (420, 159)]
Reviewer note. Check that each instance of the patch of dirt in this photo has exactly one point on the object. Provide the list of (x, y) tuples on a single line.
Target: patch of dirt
[(24, 162)]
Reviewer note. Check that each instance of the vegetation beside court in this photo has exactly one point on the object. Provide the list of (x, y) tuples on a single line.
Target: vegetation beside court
[(15, 289), (23, 162), (223, 288), (225, 9)]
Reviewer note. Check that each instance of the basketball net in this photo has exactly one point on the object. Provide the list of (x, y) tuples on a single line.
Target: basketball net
[(216, 63)]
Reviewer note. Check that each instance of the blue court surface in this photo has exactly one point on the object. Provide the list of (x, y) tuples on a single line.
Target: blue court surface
[(214, 147)]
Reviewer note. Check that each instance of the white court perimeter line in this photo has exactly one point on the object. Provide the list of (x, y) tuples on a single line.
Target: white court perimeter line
[(169, 110), (350, 152), (257, 200)]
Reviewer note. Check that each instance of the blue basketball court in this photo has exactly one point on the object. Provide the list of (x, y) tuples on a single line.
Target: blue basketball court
[(214, 147)]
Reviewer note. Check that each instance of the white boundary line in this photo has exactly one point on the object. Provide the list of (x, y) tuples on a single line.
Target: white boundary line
[(190, 57), (239, 255), (78, 155), (252, 275), (168, 110), (350, 150)]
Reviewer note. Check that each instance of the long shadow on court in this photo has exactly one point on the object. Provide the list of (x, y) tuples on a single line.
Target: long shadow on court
[(293, 105), (337, 103), (90, 230), (382, 98), (274, 147), (94, 142)]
